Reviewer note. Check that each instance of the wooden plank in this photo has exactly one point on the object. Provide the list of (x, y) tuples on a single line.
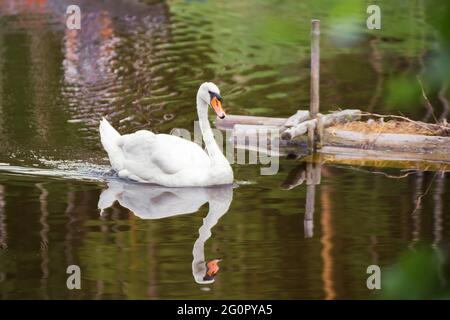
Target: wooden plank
[(389, 142), (231, 120), (382, 159), (256, 127)]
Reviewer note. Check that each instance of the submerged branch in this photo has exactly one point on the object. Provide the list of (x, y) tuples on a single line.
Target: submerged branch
[(420, 197), (410, 172), (428, 104), (444, 101)]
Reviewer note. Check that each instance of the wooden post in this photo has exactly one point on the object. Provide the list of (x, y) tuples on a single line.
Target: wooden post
[(315, 55), (319, 131), (310, 140), (313, 173), (308, 220)]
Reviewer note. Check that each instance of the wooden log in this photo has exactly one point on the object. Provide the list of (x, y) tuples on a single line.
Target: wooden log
[(383, 159), (256, 127), (248, 132), (315, 64), (420, 144), (327, 120), (241, 136), (231, 120), (299, 117)]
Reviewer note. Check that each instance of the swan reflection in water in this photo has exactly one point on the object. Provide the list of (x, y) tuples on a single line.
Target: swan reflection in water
[(157, 202)]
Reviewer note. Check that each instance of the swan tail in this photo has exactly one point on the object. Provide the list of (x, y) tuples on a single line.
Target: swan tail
[(110, 141)]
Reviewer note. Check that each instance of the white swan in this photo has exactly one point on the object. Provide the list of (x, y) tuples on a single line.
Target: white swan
[(169, 160)]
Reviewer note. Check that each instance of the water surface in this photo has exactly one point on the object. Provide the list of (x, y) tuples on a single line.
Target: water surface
[(140, 64)]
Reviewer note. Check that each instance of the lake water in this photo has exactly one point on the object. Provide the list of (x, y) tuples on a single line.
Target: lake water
[(140, 64)]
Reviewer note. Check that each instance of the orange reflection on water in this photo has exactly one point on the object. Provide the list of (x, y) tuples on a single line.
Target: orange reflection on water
[(327, 244)]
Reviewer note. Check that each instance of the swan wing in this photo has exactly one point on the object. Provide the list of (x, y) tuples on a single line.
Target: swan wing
[(148, 155)]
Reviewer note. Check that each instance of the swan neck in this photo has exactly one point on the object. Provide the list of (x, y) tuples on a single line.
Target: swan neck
[(213, 150)]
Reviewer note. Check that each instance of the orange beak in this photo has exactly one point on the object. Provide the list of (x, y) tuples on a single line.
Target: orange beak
[(217, 106)]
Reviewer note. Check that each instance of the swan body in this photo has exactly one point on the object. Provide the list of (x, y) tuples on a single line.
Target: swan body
[(169, 160)]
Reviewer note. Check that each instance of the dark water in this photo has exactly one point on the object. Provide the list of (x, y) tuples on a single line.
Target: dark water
[(140, 64)]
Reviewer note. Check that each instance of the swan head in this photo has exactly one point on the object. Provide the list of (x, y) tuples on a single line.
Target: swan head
[(210, 94)]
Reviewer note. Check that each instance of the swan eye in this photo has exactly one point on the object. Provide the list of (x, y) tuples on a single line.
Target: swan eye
[(213, 94)]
